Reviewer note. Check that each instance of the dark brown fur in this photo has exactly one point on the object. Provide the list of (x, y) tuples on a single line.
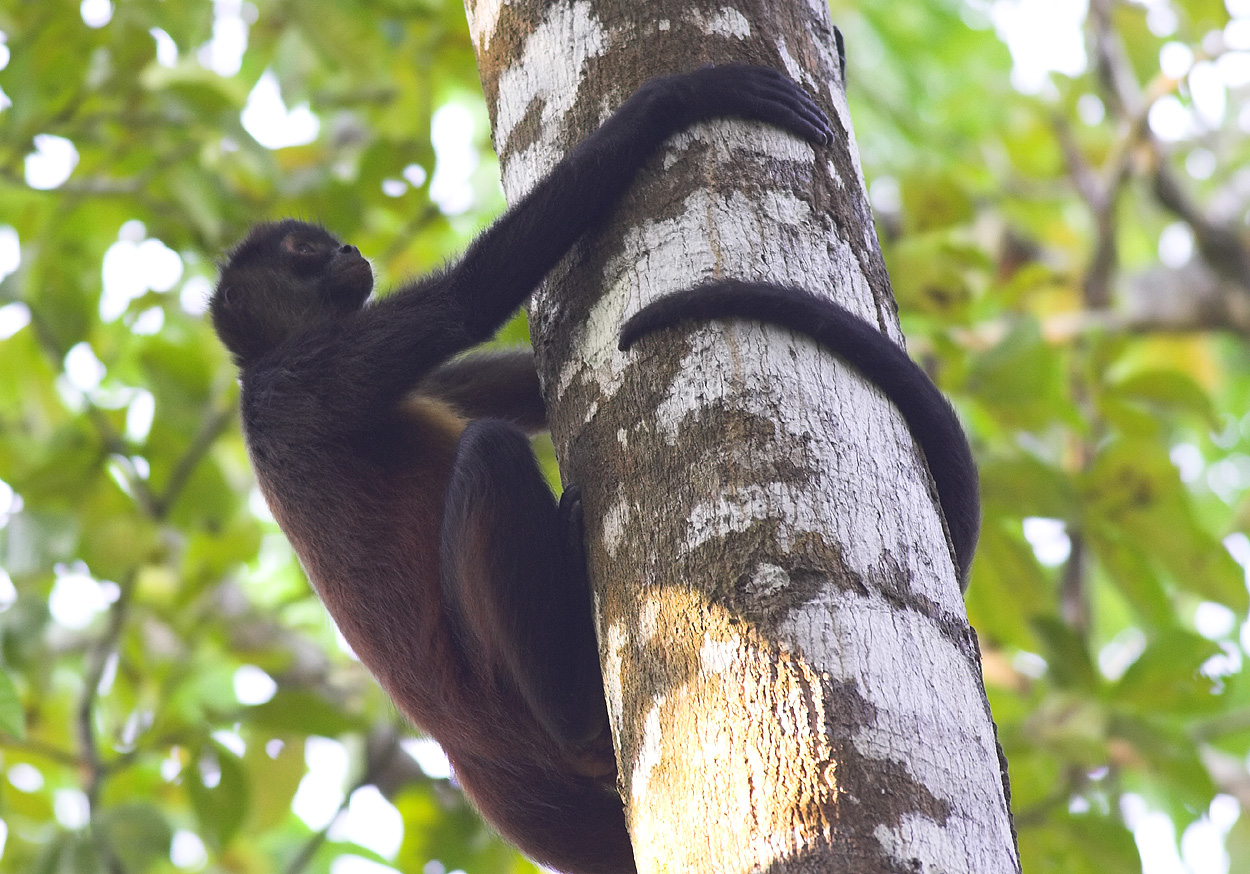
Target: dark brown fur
[(424, 522)]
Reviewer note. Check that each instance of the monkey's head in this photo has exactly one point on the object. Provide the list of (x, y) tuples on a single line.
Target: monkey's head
[(284, 278)]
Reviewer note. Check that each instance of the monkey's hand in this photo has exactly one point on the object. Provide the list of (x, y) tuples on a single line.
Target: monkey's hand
[(740, 91)]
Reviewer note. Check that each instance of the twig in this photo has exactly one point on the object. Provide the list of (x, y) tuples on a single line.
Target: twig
[(43, 750), (210, 430), (1219, 243), (113, 442), (98, 656), (376, 762)]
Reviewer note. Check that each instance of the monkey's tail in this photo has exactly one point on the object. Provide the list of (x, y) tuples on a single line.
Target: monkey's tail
[(929, 416)]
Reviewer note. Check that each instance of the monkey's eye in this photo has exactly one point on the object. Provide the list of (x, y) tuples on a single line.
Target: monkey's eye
[(301, 246)]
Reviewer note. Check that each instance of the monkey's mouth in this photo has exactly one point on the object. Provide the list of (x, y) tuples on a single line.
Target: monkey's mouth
[(352, 280)]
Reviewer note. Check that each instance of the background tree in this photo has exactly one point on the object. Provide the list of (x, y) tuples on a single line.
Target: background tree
[(1062, 205)]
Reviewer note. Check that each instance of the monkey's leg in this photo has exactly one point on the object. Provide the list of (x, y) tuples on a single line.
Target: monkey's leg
[(495, 385), (519, 603)]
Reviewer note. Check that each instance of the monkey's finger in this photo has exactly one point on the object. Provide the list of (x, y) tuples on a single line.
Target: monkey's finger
[(763, 94), (810, 118), (787, 105)]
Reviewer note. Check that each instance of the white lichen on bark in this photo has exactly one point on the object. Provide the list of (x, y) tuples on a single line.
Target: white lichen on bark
[(547, 74), (868, 642), (725, 21)]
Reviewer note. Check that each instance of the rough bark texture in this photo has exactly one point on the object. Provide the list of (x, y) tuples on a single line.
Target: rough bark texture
[(791, 678)]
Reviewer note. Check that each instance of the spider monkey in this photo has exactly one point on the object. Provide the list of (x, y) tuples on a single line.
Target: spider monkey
[(928, 414), (406, 484)]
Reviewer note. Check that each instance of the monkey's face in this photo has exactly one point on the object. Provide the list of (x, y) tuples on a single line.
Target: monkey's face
[(336, 274), (283, 278)]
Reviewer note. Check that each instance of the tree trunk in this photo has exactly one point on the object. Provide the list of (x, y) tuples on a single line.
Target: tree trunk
[(791, 679)]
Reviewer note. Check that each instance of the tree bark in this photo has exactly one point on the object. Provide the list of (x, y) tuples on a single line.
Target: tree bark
[(791, 678)]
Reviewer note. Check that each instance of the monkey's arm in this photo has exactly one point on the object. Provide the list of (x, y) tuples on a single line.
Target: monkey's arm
[(929, 416), (494, 384), (505, 263), (392, 344)]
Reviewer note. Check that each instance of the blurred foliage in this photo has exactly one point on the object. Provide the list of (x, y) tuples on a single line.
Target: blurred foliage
[(1114, 663), (1115, 667), (135, 710)]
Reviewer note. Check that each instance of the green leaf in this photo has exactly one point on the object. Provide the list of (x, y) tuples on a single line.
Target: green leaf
[(1133, 490), (68, 853), (1130, 567), (138, 833), (1068, 657), (12, 715), (303, 713), (1009, 589), (1168, 675), (275, 775), (440, 825), (1019, 378), (204, 92), (1026, 486), (1168, 389), (221, 802), (1177, 781), (1089, 843)]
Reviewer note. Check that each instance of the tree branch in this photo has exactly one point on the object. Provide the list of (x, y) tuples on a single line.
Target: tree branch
[(210, 429)]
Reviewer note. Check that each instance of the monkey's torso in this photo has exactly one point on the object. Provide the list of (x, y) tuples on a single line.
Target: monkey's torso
[(381, 491)]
